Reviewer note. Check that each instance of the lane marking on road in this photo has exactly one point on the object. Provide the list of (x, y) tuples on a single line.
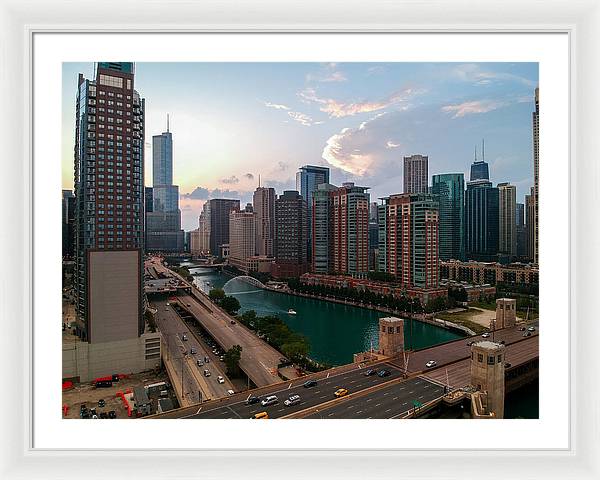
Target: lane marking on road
[(377, 404), (332, 413), (359, 412), (351, 406), (388, 410)]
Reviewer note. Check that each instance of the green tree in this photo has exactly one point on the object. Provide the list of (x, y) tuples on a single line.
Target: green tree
[(216, 294), (232, 360), (295, 350), (230, 304)]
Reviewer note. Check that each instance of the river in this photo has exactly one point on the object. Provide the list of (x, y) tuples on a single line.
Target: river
[(334, 331)]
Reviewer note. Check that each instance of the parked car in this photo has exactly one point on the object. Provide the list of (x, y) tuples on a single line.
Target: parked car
[(222, 358), (341, 392), (230, 392), (521, 329), (531, 329), (112, 414), (200, 363), (527, 334), (184, 337), (193, 351), (293, 400), (251, 400), (310, 383), (232, 322), (207, 373), (431, 363), (485, 335), (507, 365)]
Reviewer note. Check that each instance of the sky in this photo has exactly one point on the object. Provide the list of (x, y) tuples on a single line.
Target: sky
[(232, 122)]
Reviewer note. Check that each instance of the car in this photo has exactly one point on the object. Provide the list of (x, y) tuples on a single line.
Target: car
[(95, 417), (232, 322), (103, 415), (92, 411), (167, 304), (251, 400), (101, 403), (189, 304), (310, 383), (507, 365), (166, 309), (485, 335), (207, 373), (431, 363), (521, 329), (230, 392), (85, 415), (222, 358), (193, 351), (293, 400), (270, 400), (184, 337), (340, 392), (82, 407), (260, 415), (370, 372), (112, 414), (531, 329), (384, 373), (527, 334), (200, 363), (220, 379)]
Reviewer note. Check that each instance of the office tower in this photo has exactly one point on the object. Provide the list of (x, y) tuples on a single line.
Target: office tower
[(163, 223), (450, 191), (408, 232), (507, 208), (109, 188), (68, 224), (148, 200), (481, 221), (530, 223), (479, 169), (219, 210), (373, 212), (307, 180), (242, 237), (373, 244), (521, 231), (204, 230), (416, 174), (195, 249), (536, 174), (264, 208), (291, 229), (322, 231)]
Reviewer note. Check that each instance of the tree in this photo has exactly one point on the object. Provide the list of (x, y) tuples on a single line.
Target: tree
[(295, 350), (230, 304), (232, 360), (216, 294)]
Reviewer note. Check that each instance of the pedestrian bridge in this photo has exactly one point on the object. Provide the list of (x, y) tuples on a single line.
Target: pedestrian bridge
[(247, 279)]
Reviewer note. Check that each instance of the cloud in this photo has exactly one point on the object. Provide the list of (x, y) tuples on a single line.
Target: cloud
[(199, 193), (230, 180), (249, 176), (276, 106), (329, 73), (472, 73), (282, 166), (391, 144), (338, 109), (376, 70), (473, 107)]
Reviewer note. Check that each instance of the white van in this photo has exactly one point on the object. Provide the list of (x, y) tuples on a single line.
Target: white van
[(270, 400), (293, 400)]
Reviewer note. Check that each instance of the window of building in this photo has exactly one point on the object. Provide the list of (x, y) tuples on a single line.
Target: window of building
[(480, 357), (111, 81), (490, 360)]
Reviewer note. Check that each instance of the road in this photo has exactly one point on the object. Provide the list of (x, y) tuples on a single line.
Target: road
[(172, 328)]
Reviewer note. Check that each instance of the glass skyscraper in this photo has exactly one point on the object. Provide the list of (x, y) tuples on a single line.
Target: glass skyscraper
[(481, 221), (307, 180), (450, 191)]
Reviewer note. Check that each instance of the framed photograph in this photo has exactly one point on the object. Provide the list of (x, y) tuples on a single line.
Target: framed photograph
[(302, 217)]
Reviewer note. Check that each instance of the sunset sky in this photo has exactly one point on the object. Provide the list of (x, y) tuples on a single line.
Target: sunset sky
[(232, 122)]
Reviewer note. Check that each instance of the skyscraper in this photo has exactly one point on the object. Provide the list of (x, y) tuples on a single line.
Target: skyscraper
[(507, 198), (204, 230), (242, 237), (290, 235), (408, 232), (264, 208), (341, 230), (521, 232), (536, 174), (163, 223), (530, 223), (481, 221), (479, 168), (219, 210), (68, 224), (450, 191), (416, 176), (109, 188), (307, 180)]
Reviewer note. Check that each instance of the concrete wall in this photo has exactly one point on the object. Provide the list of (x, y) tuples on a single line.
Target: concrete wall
[(114, 290), (92, 360)]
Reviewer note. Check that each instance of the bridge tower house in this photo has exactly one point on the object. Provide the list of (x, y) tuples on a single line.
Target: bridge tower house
[(487, 375), (506, 312), (391, 336)]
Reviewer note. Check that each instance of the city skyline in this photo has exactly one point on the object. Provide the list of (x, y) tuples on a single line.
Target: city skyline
[(234, 122)]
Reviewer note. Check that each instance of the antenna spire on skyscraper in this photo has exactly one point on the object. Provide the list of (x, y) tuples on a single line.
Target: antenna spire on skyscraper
[(475, 152), (483, 149), (259, 180), (167, 123)]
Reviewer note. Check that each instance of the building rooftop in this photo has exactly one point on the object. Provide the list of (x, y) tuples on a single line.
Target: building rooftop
[(489, 345)]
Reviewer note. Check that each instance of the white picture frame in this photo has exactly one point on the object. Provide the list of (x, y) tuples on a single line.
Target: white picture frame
[(19, 23)]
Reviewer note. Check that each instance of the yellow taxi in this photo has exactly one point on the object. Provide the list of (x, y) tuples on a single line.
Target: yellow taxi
[(341, 392), (261, 415)]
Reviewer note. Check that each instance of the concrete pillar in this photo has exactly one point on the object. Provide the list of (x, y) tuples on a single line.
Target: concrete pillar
[(506, 312), (487, 374), (391, 336)]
